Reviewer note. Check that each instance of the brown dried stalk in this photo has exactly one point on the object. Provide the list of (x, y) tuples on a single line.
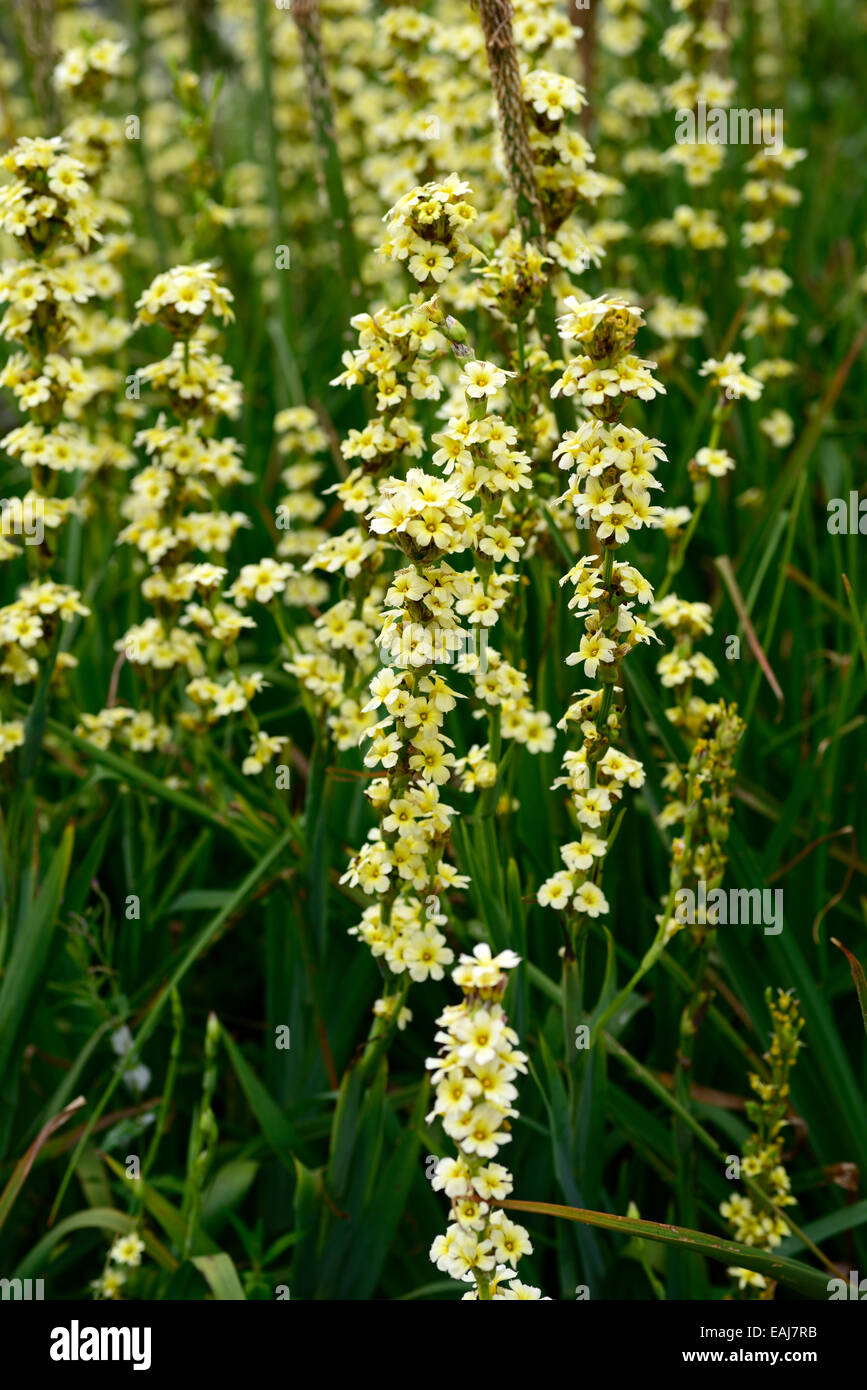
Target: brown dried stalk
[(496, 18)]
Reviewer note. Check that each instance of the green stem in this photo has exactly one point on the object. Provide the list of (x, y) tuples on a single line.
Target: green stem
[(306, 16)]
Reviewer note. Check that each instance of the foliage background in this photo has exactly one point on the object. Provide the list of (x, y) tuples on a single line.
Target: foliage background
[(332, 1200)]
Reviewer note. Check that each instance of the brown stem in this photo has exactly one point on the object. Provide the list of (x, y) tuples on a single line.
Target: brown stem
[(496, 18)]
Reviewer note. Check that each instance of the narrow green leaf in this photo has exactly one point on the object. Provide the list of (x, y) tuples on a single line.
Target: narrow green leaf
[(663, 729), (128, 771), (836, 1224), (221, 1275), (858, 976), (809, 1282), (307, 1207), (35, 1263), (273, 1122), (194, 951), (372, 1240), (30, 953), (198, 899)]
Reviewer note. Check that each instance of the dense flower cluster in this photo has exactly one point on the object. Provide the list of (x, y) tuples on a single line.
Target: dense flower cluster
[(680, 667), (300, 438), (435, 617), (427, 228), (47, 204), (378, 574), (768, 195), (85, 70), (611, 483), (171, 514), (477, 1063), (562, 159)]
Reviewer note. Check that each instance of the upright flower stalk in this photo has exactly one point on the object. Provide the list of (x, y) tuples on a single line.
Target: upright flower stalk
[(431, 609), (768, 195), (612, 479), (474, 1070), (751, 1223), (47, 205), (496, 20), (171, 513), (699, 857), (547, 166)]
